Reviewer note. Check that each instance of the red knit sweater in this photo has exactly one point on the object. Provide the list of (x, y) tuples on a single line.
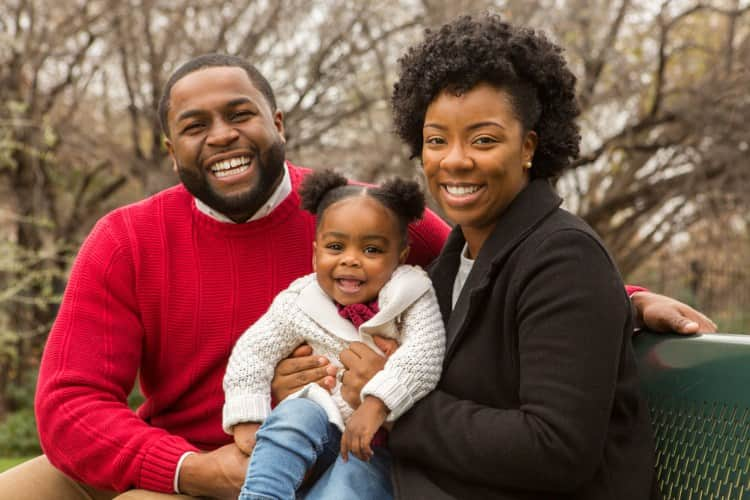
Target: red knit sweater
[(162, 288)]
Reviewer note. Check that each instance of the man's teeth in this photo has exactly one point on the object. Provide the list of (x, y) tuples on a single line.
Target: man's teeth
[(461, 190), (231, 166)]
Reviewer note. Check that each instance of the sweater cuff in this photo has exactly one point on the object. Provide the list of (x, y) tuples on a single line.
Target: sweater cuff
[(243, 407), (160, 464), (631, 289), (394, 393)]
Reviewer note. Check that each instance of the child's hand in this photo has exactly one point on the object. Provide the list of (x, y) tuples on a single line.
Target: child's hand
[(244, 436), (361, 428), (388, 346)]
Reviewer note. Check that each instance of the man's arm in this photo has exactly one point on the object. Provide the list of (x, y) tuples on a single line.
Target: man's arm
[(426, 239), (89, 366), (665, 314)]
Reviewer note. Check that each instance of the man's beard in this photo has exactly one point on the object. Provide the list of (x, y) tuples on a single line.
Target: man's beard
[(269, 169)]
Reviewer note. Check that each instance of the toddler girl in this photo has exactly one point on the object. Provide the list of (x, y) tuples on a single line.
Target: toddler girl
[(360, 289)]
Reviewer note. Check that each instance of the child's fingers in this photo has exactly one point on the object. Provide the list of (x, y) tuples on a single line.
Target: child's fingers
[(344, 447), (368, 449), (361, 448)]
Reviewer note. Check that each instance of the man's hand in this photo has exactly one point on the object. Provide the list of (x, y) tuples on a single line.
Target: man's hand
[(665, 314), (215, 474), (300, 369), (244, 436), (361, 428), (361, 363)]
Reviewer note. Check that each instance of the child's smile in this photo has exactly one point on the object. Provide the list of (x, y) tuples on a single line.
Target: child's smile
[(357, 248)]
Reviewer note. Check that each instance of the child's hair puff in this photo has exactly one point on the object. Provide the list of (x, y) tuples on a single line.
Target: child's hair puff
[(404, 198), (317, 185)]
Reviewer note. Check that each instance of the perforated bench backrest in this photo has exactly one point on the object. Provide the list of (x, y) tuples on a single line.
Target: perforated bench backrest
[(698, 388)]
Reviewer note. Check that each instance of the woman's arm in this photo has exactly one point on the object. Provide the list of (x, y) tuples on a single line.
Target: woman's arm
[(573, 320)]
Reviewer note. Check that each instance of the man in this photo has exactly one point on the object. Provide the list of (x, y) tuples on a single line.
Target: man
[(163, 288)]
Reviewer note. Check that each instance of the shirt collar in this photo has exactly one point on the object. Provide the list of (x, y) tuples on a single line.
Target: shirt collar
[(280, 193)]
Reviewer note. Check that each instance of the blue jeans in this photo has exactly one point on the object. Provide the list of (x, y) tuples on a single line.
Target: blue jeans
[(296, 437)]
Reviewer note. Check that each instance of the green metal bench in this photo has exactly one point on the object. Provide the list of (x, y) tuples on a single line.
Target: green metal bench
[(698, 388)]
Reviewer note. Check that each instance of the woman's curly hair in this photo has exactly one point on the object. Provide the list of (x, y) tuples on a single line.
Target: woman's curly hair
[(522, 62), (404, 198)]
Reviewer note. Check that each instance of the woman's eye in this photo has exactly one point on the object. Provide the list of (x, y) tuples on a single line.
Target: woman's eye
[(485, 140), (434, 140)]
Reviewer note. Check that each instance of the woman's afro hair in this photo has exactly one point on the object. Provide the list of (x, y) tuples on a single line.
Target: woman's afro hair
[(520, 61), (404, 198)]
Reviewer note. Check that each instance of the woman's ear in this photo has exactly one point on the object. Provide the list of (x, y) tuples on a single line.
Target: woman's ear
[(529, 146)]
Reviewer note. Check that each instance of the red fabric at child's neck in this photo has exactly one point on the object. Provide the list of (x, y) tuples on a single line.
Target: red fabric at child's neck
[(358, 313)]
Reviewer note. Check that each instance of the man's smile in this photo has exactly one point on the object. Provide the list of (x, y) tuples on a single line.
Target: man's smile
[(231, 166)]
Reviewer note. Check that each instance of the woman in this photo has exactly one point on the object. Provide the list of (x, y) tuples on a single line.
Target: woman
[(539, 395)]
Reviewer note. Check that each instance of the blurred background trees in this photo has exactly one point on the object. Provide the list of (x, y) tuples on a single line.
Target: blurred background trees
[(663, 86)]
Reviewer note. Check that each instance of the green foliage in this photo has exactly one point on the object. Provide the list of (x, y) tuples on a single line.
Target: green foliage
[(7, 463), (18, 437), (135, 399), (21, 396)]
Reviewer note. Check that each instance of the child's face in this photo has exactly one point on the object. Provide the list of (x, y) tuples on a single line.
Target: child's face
[(357, 247)]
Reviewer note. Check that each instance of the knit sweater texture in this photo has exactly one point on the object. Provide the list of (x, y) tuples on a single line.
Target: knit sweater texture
[(409, 313), (161, 291)]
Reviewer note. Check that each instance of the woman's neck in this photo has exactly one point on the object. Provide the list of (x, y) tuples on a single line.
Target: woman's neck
[(475, 238)]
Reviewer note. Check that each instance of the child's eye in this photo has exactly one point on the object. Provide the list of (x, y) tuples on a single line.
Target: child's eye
[(372, 250), (336, 247)]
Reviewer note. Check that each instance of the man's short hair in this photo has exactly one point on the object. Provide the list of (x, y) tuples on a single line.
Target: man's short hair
[(211, 61)]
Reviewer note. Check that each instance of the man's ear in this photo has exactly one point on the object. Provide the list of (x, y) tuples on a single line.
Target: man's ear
[(170, 150), (315, 245), (278, 121), (404, 254)]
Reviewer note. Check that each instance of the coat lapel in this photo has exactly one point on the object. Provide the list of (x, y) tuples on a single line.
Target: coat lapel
[(532, 205)]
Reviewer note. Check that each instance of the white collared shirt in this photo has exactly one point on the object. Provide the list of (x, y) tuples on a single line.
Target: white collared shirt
[(279, 195)]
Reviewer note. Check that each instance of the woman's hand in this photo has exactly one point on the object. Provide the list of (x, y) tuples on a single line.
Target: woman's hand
[(300, 369), (665, 314), (361, 363)]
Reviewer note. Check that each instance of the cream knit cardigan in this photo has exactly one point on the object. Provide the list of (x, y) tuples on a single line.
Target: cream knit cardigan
[(409, 313)]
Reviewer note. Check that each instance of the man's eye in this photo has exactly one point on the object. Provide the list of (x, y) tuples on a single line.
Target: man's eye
[(241, 115), (192, 127)]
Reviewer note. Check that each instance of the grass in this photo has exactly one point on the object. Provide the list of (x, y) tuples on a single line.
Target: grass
[(7, 463)]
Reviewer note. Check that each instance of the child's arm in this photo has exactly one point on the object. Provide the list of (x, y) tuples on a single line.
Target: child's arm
[(361, 428), (244, 436), (247, 380), (414, 369)]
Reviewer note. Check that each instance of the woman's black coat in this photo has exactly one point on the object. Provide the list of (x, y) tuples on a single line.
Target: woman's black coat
[(539, 396)]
